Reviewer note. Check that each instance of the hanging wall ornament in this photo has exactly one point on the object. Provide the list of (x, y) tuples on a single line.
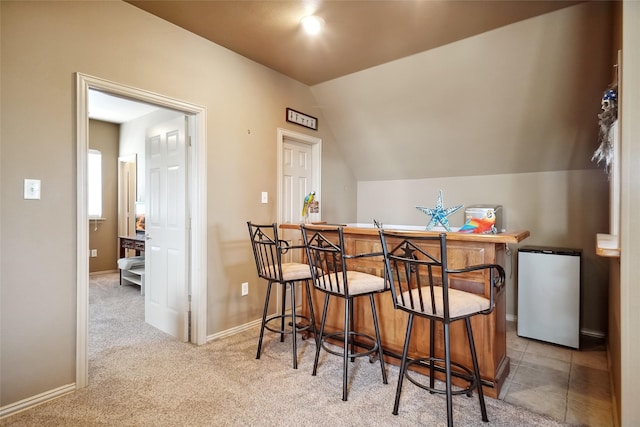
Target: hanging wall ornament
[(439, 214), (606, 120)]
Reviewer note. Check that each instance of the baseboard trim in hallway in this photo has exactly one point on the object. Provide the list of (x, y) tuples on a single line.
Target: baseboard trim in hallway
[(36, 400)]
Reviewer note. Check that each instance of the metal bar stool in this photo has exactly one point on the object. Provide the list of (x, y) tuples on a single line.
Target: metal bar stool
[(419, 276), (330, 274), (268, 250)]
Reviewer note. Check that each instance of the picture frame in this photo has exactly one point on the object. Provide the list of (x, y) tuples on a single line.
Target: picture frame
[(302, 119)]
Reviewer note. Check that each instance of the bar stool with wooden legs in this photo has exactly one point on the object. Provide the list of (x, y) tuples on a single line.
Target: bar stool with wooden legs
[(268, 250), (422, 284)]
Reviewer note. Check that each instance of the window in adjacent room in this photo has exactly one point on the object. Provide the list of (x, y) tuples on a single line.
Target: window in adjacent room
[(94, 188)]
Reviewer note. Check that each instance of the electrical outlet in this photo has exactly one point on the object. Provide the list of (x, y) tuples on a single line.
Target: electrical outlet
[(245, 288), (94, 253)]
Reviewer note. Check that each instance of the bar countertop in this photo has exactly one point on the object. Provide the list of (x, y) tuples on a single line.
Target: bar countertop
[(365, 229)]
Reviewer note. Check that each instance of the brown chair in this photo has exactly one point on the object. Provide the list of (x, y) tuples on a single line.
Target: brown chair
[(331, 275), (421, 285), (268, 250)]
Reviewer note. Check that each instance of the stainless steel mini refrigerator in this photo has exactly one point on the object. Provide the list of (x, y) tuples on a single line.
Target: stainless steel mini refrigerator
[(549, 294)]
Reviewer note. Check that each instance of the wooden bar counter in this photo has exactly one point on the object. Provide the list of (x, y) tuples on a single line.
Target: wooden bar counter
[(463, 249)]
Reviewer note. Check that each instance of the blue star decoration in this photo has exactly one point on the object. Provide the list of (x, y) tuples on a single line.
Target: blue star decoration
[(439, 214)]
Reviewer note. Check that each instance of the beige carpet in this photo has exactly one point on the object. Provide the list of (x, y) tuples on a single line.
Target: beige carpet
[(141, 377)]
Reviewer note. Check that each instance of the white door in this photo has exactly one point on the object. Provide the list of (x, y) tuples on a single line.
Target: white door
[(297, 179), (166, 228)]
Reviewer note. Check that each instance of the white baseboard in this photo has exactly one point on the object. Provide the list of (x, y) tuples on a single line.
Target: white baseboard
[(36, 400), (98, 273), (234, 331), (239, 328)]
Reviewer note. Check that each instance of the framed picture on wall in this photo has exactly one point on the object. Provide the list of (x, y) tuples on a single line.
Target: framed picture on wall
[(302, 119)]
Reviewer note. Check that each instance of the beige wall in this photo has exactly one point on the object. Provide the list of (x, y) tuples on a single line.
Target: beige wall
[(43, 45), (520, 98), (630, 218), (613, 342), (560, 209), (103, 235), (506, 117)]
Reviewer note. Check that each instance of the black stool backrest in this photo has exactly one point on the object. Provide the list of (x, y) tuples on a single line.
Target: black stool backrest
[(412, 272), (267, 250), (418, 274), (326, 257)]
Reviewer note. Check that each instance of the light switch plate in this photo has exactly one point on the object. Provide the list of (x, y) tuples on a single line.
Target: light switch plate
[(265, 197), (31, 189)]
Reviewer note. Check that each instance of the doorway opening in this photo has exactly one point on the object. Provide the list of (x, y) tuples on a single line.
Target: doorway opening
[(196, 179), (290, 191)]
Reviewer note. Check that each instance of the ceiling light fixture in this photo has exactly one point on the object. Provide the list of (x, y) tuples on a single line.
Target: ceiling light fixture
[(312, 24)]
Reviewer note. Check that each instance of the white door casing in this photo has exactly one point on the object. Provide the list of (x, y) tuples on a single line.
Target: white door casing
[(166, 223), (197, 182)]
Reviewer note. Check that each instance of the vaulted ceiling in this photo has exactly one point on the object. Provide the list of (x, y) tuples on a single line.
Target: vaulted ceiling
[(493, 87), (357, 34)]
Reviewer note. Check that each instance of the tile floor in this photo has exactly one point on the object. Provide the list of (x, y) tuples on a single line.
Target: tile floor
[(565, 384)]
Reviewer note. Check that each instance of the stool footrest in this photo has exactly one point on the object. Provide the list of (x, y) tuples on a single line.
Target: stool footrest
[(457, 370), (372, 348), (298, 327)]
